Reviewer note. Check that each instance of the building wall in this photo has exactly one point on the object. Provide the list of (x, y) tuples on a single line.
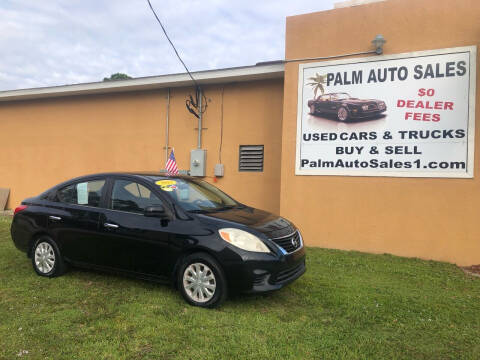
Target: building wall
[(430, 218), (44, 142)]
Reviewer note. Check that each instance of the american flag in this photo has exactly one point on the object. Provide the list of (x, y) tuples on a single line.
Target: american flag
[(171, 165)]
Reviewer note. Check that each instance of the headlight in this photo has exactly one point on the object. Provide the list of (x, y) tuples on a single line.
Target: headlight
[(364, 107), (242, 239)]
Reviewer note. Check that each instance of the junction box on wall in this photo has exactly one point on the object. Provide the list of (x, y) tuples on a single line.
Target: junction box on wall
[(198, 161), (218, 171)]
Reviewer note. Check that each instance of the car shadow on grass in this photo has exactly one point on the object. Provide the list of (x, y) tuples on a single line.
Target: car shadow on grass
[(108, 278), (90, 278)]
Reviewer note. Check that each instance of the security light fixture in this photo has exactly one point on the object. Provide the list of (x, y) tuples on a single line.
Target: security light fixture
[(378, 43)]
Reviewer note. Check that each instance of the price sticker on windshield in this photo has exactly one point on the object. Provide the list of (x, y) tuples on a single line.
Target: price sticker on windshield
[(167, 185)]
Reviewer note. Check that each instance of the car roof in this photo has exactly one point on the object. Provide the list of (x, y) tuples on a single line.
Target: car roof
[(141, 174), (150, 176)]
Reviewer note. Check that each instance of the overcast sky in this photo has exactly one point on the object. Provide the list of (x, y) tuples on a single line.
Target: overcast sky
[(56, 42)]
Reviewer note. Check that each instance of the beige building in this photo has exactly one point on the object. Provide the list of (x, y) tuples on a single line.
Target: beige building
[(52, 134)]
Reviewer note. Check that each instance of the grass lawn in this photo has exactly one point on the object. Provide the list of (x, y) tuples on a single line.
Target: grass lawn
[(348, 305)]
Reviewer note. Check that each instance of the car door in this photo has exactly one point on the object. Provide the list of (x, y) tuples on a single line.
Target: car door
[(136, 243), (333, 104), (73, 219), (323, 103)]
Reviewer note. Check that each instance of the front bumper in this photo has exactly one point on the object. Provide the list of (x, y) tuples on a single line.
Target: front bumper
[(265, 272)]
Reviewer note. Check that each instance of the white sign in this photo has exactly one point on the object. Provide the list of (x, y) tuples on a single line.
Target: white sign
[(82, 193), (403, 115)]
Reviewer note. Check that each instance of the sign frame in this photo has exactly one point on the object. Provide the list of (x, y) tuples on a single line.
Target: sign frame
[(469, 173)]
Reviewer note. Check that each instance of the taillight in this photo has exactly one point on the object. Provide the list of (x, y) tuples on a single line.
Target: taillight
[(19, 208)]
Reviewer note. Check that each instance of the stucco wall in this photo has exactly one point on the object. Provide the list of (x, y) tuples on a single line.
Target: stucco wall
[(44, 142), (430, 218)]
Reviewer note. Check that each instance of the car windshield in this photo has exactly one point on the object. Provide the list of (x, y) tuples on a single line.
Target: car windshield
[(195, 195), (340, 96)]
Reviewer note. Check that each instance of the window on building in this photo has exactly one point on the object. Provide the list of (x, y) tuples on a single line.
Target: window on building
[(251, 158), (132, 197), (85, 193)]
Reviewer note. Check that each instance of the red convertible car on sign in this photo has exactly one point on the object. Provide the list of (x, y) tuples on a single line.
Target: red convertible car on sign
[(345, 107)]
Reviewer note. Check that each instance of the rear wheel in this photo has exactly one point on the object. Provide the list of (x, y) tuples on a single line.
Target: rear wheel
[(46, 258), (342, 114), (201, 281)]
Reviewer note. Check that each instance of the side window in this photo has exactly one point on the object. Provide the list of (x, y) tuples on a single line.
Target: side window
[(132, 197), (85, 193)]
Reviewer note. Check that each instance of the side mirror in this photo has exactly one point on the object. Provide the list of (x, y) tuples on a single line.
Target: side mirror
[(155, 211)]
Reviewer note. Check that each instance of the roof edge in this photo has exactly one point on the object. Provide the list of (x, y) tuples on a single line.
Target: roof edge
[(218, 76)]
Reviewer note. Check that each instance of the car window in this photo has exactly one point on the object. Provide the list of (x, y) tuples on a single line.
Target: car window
[(194, 195), (324, 97), (340, 96), (84, 193), (132, 197)]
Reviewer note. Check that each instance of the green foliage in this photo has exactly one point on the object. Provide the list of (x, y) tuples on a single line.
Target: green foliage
[(317, 83), (348, 305), (117, 76)]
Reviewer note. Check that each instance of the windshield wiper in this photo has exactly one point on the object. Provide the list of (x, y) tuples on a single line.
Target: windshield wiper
[(198, 211), (226, 207), (223, 208)]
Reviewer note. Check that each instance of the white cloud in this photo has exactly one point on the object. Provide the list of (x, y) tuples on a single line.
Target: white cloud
[(58, 42)]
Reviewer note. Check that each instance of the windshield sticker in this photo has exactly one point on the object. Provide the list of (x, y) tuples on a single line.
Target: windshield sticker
[(82, 193), (167, 185)]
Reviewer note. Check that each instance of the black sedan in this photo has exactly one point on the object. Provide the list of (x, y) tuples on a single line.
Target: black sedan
[(345, 107), (173, 229)]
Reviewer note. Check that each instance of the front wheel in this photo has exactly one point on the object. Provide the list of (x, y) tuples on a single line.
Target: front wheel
[(342, 114), (46, 258), (201, 281)]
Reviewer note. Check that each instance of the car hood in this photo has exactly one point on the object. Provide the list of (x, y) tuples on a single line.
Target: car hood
[(273, 226)]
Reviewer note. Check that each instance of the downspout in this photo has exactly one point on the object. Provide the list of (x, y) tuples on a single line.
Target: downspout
[(200, 114), (167, 125)]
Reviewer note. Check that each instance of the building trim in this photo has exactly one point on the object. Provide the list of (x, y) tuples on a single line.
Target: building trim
[(236, 74)]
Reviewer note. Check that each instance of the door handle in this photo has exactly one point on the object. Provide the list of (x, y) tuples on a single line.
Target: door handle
[(55, 217), (111, 226)]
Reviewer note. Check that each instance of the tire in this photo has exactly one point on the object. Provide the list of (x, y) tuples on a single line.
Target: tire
[(46, 258), (343, 114), (213, 286)]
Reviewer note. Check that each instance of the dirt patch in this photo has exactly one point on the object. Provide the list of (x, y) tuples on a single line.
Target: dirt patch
[(472, 270)]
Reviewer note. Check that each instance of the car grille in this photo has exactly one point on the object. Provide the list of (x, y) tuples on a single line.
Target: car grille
[(289, 243), (286, 275)]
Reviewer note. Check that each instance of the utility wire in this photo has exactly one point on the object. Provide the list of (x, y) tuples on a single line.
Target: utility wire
[(171, 43)]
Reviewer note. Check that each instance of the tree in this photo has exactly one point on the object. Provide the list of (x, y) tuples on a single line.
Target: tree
[(317, 83), (117, 76)]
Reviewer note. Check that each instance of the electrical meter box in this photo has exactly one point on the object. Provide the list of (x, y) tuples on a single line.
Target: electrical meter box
[(198, 159), (219, 170)]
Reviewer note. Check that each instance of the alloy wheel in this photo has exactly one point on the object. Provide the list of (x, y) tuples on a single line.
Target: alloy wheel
[(199, 282), (44, 257), (342, 114)]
